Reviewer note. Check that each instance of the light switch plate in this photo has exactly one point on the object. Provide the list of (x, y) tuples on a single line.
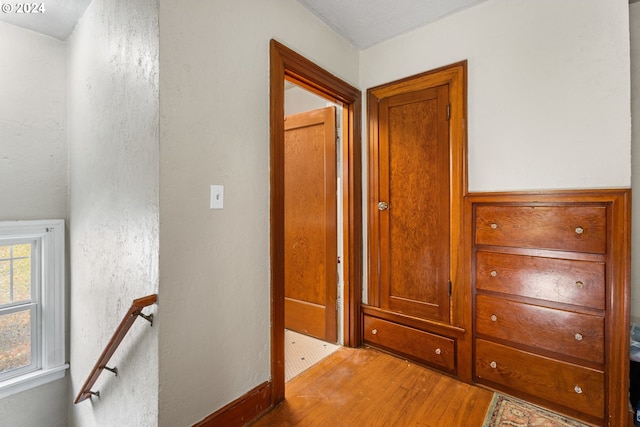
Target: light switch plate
[(217, 197)]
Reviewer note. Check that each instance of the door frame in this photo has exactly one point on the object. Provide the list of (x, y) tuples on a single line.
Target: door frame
[(287, 64), (460, 314)]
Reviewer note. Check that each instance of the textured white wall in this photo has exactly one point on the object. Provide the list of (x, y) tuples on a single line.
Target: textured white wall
[(33, 173), (548, 89), (214, 271), (634, 18), (113, 187)]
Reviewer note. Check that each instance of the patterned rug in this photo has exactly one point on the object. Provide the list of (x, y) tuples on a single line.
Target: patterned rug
[(509, 411)]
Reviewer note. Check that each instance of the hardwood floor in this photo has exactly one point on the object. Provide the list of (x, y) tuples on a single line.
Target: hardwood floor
[(368, 388)]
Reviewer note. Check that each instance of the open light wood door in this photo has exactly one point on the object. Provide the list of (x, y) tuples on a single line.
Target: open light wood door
[(310, 223)]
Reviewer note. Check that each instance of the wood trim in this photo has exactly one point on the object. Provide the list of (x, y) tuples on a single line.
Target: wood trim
[(454, 75), (618, 300), (550, 196), (276, 88), (353, 220), (287, 64), (415, 322), (373, 229), (618, 278), (242, 410)]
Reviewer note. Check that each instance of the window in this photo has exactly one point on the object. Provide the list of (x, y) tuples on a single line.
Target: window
[(32, 327)]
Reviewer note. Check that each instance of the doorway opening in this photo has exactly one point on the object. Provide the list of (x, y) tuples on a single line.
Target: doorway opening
[(287, 65), (313, 228)]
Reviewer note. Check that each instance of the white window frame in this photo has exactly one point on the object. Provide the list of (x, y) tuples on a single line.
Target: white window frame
[(48, 356)]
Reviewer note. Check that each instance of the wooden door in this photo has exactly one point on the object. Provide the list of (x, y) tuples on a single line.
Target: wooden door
[(414, 185), (310, 219)]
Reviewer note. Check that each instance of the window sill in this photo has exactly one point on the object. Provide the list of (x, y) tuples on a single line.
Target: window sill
[(31, 380)]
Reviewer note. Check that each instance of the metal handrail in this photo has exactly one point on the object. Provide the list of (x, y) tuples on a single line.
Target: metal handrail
[(134, 312)]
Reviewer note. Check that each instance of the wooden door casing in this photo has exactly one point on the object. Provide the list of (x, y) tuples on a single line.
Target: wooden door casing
[(310, 216), (414, 182), (441, 303), (287, 65)]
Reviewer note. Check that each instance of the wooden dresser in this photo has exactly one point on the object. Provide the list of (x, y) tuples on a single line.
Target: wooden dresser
[(550, 286)]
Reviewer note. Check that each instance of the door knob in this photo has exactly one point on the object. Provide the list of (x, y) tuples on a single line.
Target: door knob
[(383, 206)]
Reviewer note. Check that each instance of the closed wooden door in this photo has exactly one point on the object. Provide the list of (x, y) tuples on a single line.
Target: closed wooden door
[(310, 224), (414, 185)]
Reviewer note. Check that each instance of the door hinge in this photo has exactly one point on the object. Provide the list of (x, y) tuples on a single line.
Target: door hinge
[(449, 287), (448, 111)]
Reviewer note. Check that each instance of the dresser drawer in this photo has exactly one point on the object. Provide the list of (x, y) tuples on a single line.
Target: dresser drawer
[(569, 385), (568, 228), (572, 334), (560, 280), (415, 344)]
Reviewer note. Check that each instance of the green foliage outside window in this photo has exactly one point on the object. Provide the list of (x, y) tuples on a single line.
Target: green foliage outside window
[(15, 287)]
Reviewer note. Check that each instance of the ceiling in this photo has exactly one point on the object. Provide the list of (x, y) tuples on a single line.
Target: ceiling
[(365, 23), (361, 22), (58, 20)]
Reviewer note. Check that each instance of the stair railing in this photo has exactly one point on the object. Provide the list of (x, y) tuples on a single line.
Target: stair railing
[(134, 312)]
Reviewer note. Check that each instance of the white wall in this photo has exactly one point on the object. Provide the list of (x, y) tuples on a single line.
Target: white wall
[(113, 180), (45, 405), (33, 157), (634, 18), (299, 100), (33, 173), (214, 271), (548, 89)]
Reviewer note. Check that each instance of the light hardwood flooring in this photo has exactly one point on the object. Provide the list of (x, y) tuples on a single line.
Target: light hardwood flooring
[(368, 388)]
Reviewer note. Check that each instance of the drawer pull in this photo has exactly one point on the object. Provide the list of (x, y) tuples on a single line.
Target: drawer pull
[(579, 284), (578, 337), (493, 364), (577, 389), (374, 331), (579, 230), (494, 225), (494, 318), (493, 273), (438, 351)]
